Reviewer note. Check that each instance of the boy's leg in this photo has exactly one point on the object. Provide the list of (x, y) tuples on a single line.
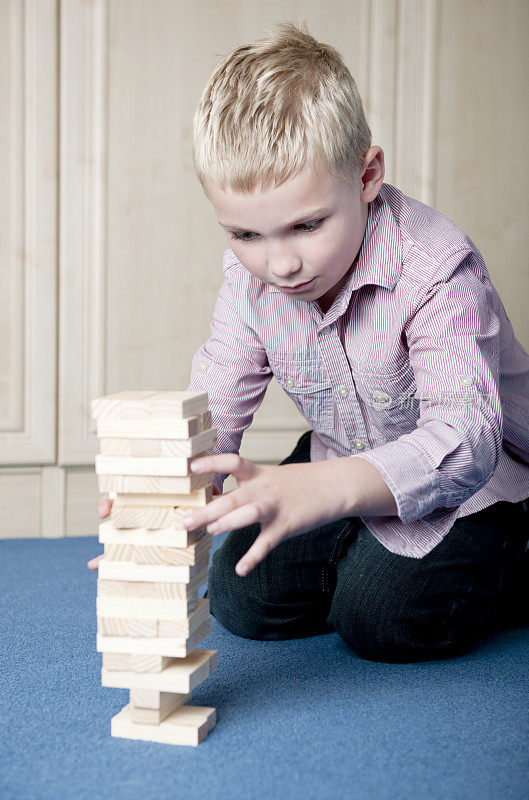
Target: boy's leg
[(397, 609), (287, 595)]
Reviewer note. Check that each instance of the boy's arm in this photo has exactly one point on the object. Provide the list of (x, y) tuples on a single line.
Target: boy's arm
[(232, 367), (365, 493), (453, 348)]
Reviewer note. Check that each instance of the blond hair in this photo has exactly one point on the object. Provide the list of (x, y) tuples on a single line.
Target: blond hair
[(274, 105)]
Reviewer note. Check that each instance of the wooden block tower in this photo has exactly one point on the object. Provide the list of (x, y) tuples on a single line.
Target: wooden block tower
[(149, 616)]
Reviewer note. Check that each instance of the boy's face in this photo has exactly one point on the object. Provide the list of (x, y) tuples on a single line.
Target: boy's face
[(309, 229)]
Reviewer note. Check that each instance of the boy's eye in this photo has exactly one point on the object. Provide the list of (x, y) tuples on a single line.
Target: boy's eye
[(242, 237), (306, 227)]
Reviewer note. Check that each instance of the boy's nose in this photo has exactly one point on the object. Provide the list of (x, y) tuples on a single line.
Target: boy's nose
[(285, 271)]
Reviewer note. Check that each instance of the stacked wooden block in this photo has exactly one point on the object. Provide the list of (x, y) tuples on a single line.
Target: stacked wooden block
[(149, 616)]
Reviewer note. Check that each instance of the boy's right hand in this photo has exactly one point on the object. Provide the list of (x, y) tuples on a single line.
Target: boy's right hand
[(104, 508)]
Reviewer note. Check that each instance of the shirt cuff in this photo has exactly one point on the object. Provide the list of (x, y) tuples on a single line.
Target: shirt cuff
[(410, 478)]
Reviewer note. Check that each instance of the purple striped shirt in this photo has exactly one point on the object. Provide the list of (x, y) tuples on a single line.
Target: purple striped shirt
[(414, 367)]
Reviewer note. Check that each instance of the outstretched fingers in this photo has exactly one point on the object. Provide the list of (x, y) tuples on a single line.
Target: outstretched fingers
[(259, 550), (247, 514), (227, 463)]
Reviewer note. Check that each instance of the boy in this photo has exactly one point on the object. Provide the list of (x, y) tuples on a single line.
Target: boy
[(400, 524)]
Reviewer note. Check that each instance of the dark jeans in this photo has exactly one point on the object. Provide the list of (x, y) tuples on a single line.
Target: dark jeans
[(386, 607)]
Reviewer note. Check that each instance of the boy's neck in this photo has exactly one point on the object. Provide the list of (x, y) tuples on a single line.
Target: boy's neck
[(326, 300), (324, 303)]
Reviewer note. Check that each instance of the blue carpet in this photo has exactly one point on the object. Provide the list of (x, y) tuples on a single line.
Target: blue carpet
[(299, 719)]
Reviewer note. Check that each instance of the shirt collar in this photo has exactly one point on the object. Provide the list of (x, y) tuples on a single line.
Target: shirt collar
[(379, 259)]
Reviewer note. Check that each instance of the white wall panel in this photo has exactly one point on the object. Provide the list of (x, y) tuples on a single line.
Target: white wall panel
[(83, 224), (28, 231)]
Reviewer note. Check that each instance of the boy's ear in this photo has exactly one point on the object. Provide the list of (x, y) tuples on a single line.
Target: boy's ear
[(373, 175)]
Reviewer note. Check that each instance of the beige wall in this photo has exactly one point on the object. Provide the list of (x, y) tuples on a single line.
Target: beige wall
[(110, 253)]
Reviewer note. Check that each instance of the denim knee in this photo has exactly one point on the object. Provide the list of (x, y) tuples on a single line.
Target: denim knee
[(281, 598), (387, 627)]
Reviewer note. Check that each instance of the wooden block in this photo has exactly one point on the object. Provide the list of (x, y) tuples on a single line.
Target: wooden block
[(160, 645), (152, 589), (181, 675), (153, 715), (145, 607), (172, 536), (137, 623), (128, 571), (198, 498), (172, 556), (112, 626), (169, 556), (142, 627), (150, 698), (180, 429), (136, 517), (124, 626), (144, 663), (154, 448), (188, 725), (149, 405), (144, 484), (149, 518), (118, 552), (165, 466)]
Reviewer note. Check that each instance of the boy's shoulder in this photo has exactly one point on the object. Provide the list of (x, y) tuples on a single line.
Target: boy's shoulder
[(432, 245), (242, 282)]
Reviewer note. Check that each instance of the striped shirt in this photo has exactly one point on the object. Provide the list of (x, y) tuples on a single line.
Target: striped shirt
[(414, 368)]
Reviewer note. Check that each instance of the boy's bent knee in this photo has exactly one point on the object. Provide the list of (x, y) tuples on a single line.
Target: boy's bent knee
[(393, 650), (233, 604), (375, 633), (262, 605)]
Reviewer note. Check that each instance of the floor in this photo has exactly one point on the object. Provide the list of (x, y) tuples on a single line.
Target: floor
[(304, 718)]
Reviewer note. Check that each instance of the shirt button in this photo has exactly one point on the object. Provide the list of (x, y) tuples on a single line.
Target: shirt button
[(358, 444), (325, 331), (203, 366), (343, 391), (290, 381), (466, 380), (381, 397)]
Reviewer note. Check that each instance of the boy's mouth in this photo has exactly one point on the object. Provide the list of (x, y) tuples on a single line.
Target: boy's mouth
[(298, 288)]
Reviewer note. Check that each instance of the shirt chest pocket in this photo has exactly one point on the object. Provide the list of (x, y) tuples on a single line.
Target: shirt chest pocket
[(389, 400), (308, 386)]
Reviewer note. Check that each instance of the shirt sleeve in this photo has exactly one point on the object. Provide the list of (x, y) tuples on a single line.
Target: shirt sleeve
[(232, 367), (453, 342)]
